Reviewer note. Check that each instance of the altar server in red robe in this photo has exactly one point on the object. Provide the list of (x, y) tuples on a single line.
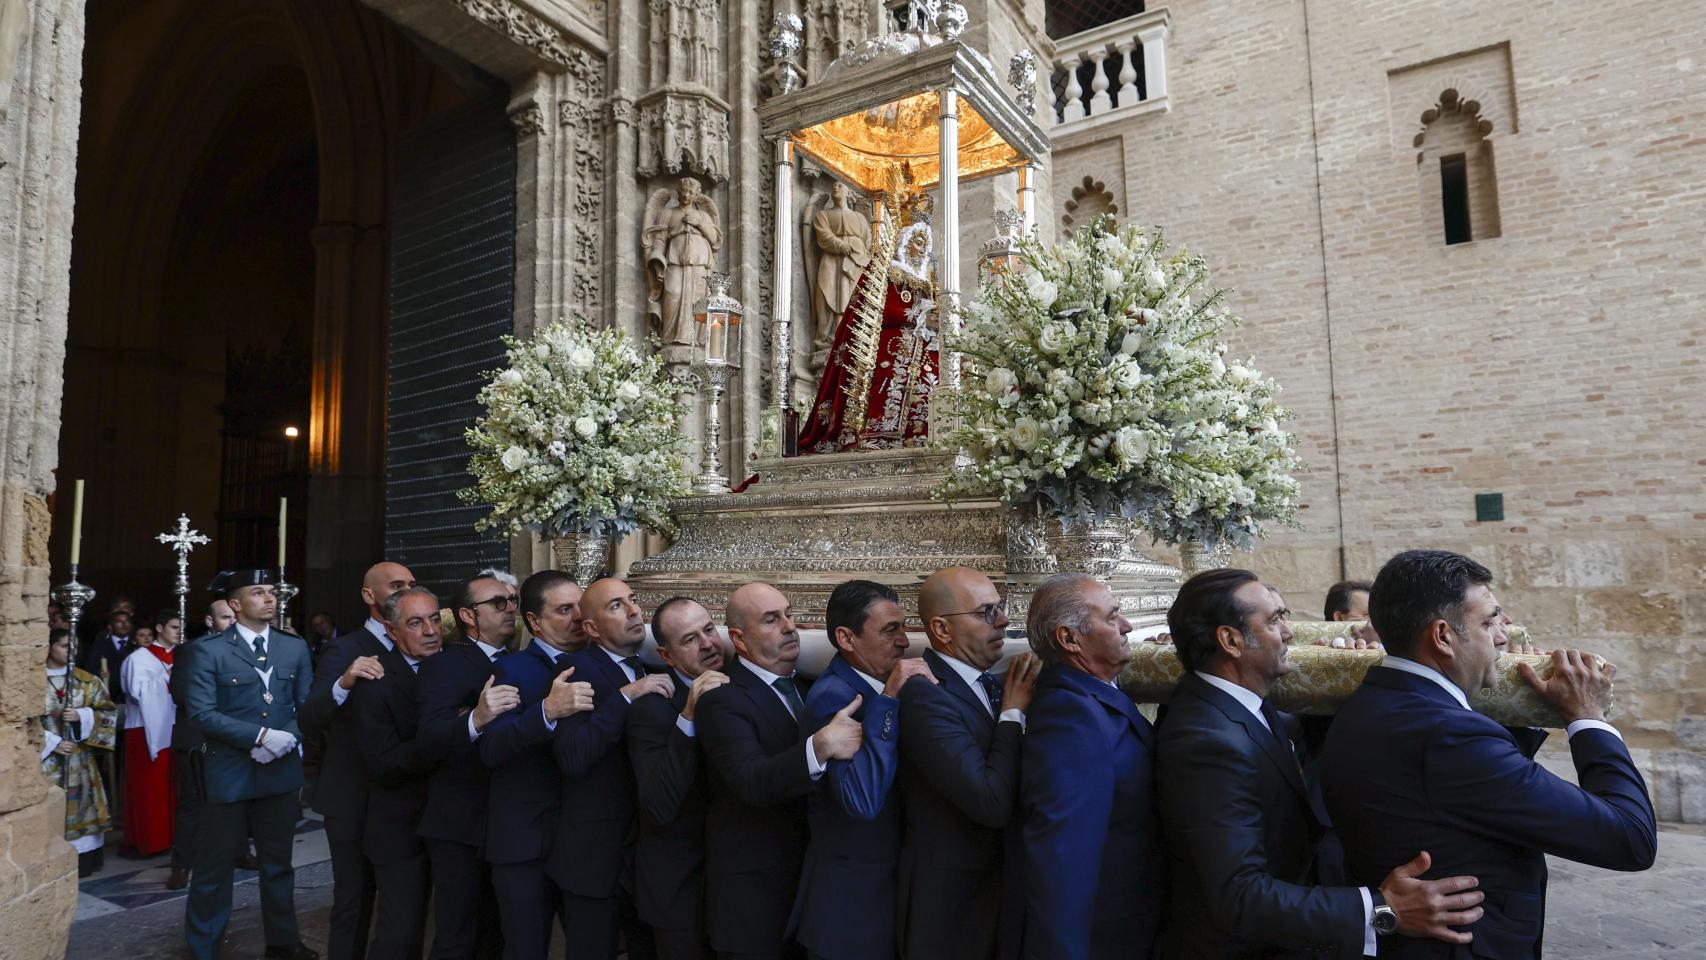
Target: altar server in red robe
[(150, 783)]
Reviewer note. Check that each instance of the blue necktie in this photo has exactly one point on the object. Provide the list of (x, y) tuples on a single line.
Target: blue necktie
[(992, 689)]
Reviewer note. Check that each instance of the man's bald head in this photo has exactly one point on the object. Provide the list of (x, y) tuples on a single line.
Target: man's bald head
[(761, 626), (611, 617), (964, 616), (381, 581)]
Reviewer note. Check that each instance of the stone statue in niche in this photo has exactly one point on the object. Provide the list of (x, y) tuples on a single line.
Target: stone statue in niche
[(681, 241), (837, 246)]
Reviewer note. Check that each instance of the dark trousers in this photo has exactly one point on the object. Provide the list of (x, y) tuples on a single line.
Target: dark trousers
[(681, 945), (465, 909), (352, 891), (527, 904), (593, 925), (187, 818), (403, 887), (271, 821)]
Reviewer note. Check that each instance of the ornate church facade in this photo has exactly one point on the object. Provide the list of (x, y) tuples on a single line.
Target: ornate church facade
[(1463, 237)]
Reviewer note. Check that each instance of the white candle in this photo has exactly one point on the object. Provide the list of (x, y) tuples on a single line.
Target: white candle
[(77, 523), (283, 510), (715, 350)]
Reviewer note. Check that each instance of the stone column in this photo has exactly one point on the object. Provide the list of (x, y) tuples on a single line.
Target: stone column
[(40, 104)]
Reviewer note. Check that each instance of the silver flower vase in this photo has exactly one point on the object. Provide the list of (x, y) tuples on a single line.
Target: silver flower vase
[(584, 556), (1196, 557), (1095, 549)]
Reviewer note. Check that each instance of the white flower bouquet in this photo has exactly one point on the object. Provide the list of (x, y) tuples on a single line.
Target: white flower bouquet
[(1095, 385), (582, 434)]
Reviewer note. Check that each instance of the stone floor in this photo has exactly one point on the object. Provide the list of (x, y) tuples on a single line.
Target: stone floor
[(126, 910)]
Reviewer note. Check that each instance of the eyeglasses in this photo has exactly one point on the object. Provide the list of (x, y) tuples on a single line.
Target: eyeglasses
[(499, 604), (989, 612)]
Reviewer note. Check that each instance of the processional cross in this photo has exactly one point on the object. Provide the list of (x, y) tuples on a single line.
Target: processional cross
[(182, 543)]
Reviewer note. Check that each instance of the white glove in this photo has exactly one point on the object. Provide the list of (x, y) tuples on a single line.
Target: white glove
[(273, 744)]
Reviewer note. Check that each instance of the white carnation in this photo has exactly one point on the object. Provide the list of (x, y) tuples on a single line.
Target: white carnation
[(511, 377), (1154, 283), (1026, 433), (586, 427), (542, 351), (1241, 373), (514, 459)]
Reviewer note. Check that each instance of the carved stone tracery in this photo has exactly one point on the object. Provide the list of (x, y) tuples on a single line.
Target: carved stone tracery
[(520, 25)]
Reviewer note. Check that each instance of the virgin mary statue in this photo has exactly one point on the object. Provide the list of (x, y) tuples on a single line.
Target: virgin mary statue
[(875, 390)]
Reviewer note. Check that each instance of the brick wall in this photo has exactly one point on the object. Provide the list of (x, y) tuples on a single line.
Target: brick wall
[(1558, 364)]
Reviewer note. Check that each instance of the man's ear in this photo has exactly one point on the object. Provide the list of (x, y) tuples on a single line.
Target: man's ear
[(739, 641), (1066, 640), (1227, 640), (367, 597), (465, 618), (1439, 639), (843, 640)]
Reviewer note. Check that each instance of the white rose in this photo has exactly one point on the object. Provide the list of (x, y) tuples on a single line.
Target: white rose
[(1270, 425), (582, 357), (1000, 381), (1155, 282), (1053, 337), (586, 427), (1041, 290), (542, 351), (514, 459), (1131, 444), (1126, 375), (510, 377), (1130, 344), (1026, 433), (629, 390), (1112, 279), (1241, 373)]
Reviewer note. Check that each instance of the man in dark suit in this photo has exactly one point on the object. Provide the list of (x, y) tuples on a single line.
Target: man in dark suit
[(459, 699), (959, 775), (592, 860), (104, 655), (242, 691), (762, 767), (669, 782), (1242, 834), (524, 791), (846, 904), (340, 793), (399, 769), (1409, 766), (1094, 870)]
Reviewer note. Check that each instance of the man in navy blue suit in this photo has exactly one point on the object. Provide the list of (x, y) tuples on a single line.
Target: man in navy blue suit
[(523, 794), (762, 766), (959, 776), (341, 787), (669, 782), (459, 699), (1094, 871), (592, 859), (846, 904), (1409, 766), (1241, 830)]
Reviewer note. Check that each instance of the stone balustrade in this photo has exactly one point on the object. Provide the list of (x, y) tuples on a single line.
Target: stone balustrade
[(1125, 65)]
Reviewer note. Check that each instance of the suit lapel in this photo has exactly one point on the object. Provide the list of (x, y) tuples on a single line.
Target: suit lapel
[(243, 649), (1114, 699), (952, 682), (1235, 712), (764, 699)]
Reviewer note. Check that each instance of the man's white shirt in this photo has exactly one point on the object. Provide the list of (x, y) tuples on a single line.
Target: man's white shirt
[(1423, 670)]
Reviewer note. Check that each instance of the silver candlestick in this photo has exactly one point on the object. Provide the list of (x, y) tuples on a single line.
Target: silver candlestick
[(286, 592), (715, 375), (182, 542), (73, 596)]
